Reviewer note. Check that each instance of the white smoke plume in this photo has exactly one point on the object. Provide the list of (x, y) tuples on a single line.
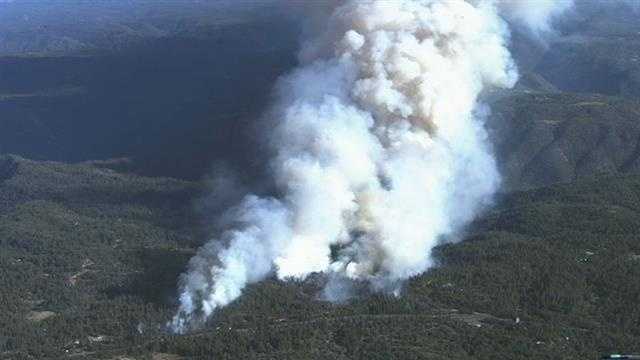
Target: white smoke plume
[(380, 151)]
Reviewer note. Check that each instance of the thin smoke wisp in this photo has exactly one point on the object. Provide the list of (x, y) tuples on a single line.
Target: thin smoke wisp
[(380, 150)]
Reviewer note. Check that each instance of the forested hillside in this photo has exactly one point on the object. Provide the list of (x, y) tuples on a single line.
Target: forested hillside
[(90, 258), (542, 138)]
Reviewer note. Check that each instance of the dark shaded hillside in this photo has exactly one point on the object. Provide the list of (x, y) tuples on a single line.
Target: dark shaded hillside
[(597, 65), (598, 50), (174, 105), (89, 260), (545, 138), (595, 49)]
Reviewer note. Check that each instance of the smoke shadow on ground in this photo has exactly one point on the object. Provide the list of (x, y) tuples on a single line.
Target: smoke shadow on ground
[(173, 105), (156, 281)]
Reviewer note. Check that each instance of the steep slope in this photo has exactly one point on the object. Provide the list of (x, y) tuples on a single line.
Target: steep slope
[(590, 64), (544, 138)]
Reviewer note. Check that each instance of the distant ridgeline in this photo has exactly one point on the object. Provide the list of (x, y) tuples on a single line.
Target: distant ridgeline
[(85, 27)]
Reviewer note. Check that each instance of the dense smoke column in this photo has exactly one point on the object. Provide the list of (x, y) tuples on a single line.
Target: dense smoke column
[(379, 149)]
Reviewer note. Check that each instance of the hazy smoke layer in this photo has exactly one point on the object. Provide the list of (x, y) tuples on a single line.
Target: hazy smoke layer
[(534, 14), (380, 150)]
